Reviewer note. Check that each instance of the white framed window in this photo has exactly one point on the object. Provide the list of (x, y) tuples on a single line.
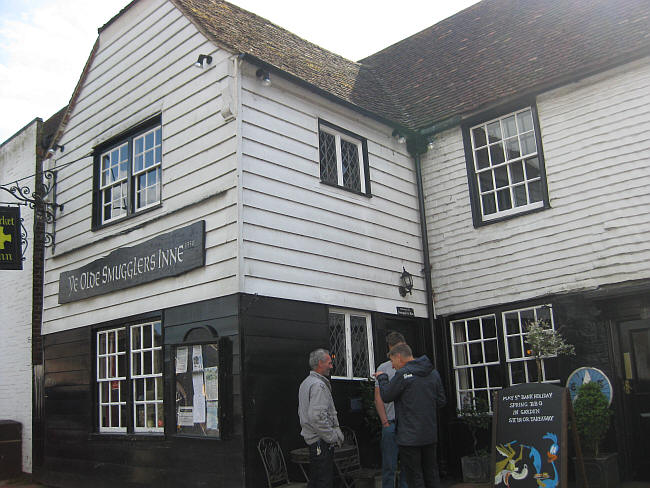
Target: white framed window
[(130, 378), (475, 353), (522, 367), (477, 344), (111, 380), (343, 158), (507, 166), (129, 173), (147, 377), (351, 344)]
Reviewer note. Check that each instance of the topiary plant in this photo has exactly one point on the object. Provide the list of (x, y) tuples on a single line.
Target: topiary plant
[(544, 341), (592, 417)]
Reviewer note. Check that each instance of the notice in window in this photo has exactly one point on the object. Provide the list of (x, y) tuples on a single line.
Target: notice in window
[(197, 358), (181, 360), (185, 417), (197, 390), (212, 383), (212, 420)]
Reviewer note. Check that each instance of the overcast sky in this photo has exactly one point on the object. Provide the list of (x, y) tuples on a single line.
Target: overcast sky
[(44, 44)]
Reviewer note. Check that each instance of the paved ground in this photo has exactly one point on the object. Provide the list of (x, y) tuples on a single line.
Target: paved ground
[(27, 483)]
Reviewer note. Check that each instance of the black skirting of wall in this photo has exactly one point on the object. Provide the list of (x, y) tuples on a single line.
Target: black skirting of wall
[(271, 340)]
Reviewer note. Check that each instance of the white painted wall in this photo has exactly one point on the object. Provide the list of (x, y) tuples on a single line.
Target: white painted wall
[(308, 241), (144, 66), (18, 160), (596, 143)]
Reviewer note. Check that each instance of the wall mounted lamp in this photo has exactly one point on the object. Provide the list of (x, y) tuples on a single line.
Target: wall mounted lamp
[(53, 149), (264, 76), (399, 137), (405, 282), (204, 61)]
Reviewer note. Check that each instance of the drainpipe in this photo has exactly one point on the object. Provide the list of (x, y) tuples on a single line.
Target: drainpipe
[(417, 145)]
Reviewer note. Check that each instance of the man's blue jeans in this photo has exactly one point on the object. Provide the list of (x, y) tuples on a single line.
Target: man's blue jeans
[(389, 451)]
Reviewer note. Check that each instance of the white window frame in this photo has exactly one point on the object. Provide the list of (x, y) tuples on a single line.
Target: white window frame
[(508, 165), (510, 360), (108, 378), (470, 367), (348, 343), (129, 354), (127, 205), (139, 353), (338, 137)]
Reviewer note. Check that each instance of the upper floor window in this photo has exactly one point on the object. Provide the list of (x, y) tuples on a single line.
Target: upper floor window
[(479, 366), (129, 174), (506, 166), (130, 378), (351, 344), (343, 158)]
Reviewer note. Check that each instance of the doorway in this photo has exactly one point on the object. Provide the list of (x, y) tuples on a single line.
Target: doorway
[(635, 357)]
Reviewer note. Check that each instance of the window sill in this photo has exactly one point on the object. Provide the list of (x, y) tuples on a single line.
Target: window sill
[(354, 192), (130, 437), (128, 218), (483, 223)]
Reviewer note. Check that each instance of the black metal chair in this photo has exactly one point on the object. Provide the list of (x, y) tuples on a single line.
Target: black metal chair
[(352, 472), (274, 465)]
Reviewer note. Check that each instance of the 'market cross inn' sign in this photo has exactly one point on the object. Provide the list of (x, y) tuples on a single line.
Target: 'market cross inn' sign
[(166, 255), (10, 242)]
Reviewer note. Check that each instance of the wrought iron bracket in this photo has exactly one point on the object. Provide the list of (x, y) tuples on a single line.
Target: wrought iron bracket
[(37, 200)]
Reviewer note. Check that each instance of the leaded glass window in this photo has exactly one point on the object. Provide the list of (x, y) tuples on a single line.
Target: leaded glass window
[(351, 344), (342, 161)]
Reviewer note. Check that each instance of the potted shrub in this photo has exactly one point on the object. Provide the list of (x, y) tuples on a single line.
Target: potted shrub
[(592, 420), (475, 414)]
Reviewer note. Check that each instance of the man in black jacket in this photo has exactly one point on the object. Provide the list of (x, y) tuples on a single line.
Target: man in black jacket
[(417, 392)]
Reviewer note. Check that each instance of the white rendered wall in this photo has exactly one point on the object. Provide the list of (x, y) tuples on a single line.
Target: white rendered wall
[(17, 160)]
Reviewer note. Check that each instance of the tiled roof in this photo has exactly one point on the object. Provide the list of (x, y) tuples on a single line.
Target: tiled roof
[(499, 49), (489, 53), (244, 32)]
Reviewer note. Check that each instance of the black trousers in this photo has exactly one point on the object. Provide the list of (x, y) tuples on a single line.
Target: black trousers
[(420, 465), (321, 465)]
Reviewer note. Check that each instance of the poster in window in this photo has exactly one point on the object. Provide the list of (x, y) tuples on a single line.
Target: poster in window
[(197, 412)]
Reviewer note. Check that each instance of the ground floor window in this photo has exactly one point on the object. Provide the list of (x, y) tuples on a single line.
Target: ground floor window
[(351, 344), (130, 378), (489, 352)]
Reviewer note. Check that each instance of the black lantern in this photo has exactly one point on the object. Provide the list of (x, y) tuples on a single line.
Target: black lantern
[(406, 282)]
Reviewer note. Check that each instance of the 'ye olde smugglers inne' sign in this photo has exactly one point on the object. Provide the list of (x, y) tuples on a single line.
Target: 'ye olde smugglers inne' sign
[(166, 255), (10, 243)]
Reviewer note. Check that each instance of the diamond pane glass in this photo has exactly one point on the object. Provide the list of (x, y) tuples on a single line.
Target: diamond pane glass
[(337, 343), (327, 153), (350, 167), (359, 337)]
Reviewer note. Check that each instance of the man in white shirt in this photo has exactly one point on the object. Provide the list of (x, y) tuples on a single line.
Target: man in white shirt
[(386, 411)]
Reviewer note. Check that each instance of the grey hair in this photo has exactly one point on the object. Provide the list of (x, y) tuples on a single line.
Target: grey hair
[(317, 356)]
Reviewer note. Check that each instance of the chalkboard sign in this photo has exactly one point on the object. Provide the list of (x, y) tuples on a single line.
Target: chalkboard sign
[(530, 437)]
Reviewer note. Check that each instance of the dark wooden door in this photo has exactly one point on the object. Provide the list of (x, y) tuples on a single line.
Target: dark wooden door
[(635, 357)]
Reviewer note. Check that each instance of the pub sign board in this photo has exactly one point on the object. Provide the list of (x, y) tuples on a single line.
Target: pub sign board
[(530, 436), (11, 255), (166, 255)]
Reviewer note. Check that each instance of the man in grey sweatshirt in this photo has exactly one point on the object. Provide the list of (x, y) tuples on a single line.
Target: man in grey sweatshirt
[(320, 425)]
